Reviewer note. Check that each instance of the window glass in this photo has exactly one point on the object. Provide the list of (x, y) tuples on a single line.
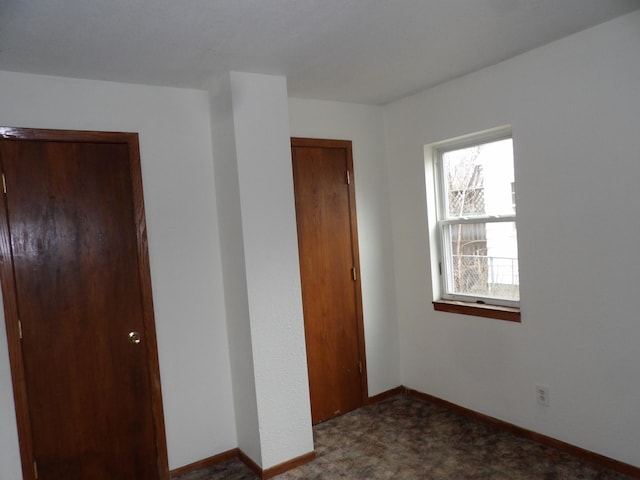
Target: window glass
[(477, 222), (483, 260), (479, 179)]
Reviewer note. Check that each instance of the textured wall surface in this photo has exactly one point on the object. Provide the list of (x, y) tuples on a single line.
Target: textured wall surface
[(233, 267), (574, 106), (272, 266), (363, 125), (177, 171)]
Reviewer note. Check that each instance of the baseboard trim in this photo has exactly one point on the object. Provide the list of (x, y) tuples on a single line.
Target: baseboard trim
[(277, 469), (581, 453), (244, 458), (206, 462), (253, 466), (586, 455), (387, 394), (288, 465)]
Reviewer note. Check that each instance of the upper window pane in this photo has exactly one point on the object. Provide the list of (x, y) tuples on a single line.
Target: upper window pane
[(479, 180)]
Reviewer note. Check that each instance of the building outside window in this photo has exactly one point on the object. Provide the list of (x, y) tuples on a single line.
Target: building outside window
[(477, 220)]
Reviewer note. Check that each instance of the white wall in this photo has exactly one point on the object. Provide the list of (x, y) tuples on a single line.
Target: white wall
[(234, 268), (267, 209), (575, 110), (363, 125), (177, 171), (574, 106)]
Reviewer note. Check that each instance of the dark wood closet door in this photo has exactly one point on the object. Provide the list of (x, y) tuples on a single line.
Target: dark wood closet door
[(73, 229), (327, 240)]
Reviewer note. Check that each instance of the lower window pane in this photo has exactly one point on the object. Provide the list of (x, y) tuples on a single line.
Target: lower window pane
[(483, 260)]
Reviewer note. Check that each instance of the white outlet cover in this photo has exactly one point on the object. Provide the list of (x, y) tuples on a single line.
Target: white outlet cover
[(542, 395)]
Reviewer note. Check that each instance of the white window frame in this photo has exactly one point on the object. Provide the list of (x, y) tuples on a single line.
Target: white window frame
[(443, 222)]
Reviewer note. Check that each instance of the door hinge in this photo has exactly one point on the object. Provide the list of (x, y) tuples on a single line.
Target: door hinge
[(353, 272), (4, 183), (360, 366), (20, 329), (35, 469), (440, 268), (348, 178)]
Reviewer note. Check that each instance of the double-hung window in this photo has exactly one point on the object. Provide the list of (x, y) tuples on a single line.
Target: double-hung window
[(476, 220)]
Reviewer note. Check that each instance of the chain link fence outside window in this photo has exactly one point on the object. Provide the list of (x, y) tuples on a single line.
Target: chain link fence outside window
[(484, 276)]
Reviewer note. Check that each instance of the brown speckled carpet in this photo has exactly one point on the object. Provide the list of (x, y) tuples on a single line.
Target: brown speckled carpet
[(406, 438)]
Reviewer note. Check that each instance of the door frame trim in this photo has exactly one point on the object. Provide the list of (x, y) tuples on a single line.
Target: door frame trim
[(7, 282), (346, 145)]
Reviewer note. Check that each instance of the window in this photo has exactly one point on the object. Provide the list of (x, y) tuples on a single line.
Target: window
[(476, 220)]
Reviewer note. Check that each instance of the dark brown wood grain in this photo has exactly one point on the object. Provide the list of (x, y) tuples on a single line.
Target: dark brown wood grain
[(386, 395), (510, 314), (328, 249), (88, 400), (206, 462), (14, 346), (148, 315), (288, 465)]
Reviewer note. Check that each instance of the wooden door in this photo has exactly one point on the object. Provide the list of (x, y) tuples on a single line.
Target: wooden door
[(329, 269), (76, 285)]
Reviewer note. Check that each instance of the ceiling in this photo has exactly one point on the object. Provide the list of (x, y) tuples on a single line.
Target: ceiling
[(365, 51)]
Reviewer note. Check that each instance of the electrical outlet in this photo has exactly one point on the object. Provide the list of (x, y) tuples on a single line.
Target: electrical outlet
[(542, 395)]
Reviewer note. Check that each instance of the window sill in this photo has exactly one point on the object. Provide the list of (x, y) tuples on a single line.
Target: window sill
[(510, 314)]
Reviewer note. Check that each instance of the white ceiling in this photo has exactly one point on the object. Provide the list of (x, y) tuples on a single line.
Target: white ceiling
[(367, 51)]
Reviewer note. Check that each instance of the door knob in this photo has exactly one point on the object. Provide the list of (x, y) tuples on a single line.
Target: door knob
[(134, 337)]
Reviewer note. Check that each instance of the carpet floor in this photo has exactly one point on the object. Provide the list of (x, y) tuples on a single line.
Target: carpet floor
[(407, 438)]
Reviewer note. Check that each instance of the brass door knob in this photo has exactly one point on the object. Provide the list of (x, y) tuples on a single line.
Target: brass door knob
[(135, 337)]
